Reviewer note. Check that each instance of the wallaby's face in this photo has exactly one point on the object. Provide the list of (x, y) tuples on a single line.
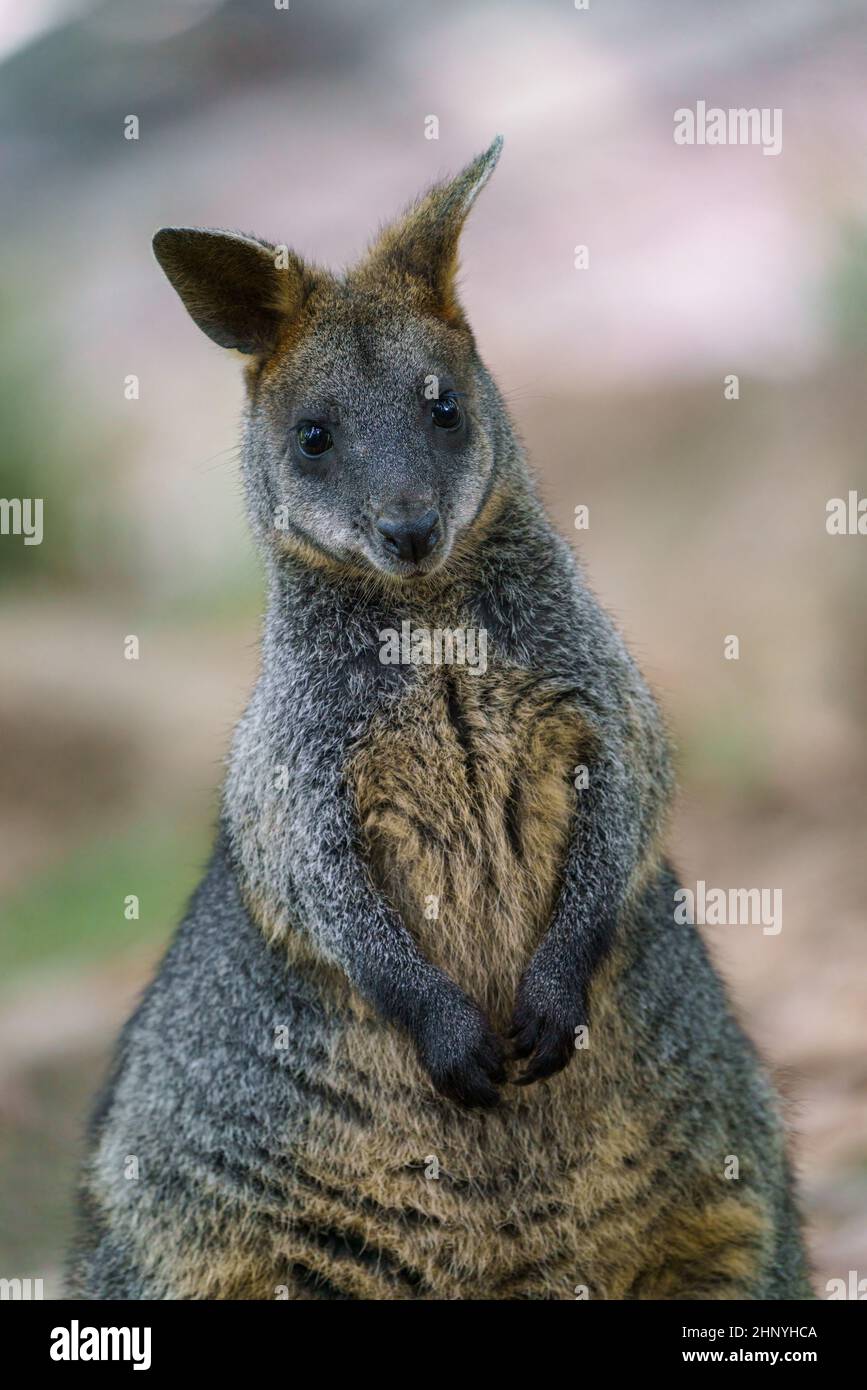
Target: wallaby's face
[(371, 432), (370, 421)]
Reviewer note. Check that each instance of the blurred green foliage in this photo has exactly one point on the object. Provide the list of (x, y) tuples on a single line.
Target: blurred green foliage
[(849, 288), (74, 913), (34, 462)]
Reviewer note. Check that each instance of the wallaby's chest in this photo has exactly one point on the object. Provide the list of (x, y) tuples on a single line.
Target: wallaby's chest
[(464, 795)]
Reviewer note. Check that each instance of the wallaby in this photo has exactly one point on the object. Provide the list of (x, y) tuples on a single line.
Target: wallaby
[(430, 1028)]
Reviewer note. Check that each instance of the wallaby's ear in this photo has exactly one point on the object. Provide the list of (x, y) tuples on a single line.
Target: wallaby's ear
[(238, 290), (423, 244)]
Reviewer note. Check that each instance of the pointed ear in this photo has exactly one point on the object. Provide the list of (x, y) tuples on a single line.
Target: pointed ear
[(238, 290), (423, 244)]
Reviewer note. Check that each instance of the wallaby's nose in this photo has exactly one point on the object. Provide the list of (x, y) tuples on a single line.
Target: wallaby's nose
[(410, 538)]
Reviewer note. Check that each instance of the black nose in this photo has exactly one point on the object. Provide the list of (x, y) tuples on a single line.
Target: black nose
[(410, 538)]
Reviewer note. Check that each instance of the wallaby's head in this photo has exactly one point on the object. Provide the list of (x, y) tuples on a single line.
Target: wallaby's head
[(370, 421)]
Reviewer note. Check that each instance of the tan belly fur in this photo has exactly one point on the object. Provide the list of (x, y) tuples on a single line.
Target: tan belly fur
[(465, 796)]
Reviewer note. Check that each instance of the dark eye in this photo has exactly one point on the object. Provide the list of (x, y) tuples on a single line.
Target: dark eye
[(446, 412), (313, 439)]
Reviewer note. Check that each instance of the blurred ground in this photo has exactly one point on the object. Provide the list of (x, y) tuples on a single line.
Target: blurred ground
[(707, 515)]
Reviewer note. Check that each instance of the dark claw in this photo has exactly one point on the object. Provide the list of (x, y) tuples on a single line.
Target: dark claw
[(524, 1033), (464, 1058), (554, 1054), (544, 1034)]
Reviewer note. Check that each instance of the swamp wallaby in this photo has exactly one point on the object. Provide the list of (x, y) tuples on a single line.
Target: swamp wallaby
[(429, 1028)]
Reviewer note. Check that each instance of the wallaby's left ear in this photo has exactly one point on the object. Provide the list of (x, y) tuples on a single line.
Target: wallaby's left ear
[(238, 290), (423, 244)]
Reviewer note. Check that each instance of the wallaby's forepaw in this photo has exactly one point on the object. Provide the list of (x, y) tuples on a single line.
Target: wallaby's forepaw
[(543, 1026), (462, 1054)]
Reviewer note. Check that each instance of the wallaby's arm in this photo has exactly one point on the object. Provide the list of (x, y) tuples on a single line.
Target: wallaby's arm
[(610, 843), (304, 863), (368, 939), (620, 813), (614, 841)]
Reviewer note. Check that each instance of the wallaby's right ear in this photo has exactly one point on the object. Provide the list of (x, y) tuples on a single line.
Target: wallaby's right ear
[(239, 291)]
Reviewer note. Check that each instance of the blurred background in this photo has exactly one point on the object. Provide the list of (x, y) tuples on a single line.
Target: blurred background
[(707, 515)]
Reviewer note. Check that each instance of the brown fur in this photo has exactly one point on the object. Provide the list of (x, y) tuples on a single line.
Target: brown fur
[(463, 788), (464, 801)]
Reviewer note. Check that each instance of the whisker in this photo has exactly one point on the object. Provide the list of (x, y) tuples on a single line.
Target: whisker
[(222, 462)]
